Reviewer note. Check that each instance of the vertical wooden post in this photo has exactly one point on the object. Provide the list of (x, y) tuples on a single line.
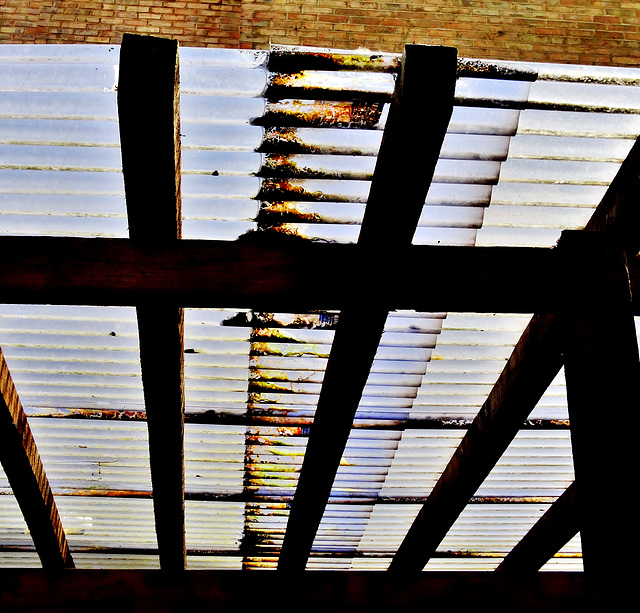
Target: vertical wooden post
[(603, 373), (149, 116)]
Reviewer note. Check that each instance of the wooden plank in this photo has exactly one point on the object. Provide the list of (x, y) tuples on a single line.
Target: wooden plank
[(149, 118), (533, 365), (549, 534), (405, 173), (142, 591), (280, 276), (25, 472), (602, 369)]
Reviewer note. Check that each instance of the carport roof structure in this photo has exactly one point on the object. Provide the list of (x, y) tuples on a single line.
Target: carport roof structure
[(315, 309)]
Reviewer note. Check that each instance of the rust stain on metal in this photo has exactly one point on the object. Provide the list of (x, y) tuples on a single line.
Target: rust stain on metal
[(258, 387), (83, 413), (286, 349), (285, 165), (104, 493), (480, 68), (275, 453), (278, 139), (513, 500), (267, 417), (325, 320), (277, 216), (283, 139), (283, 376), (258, 471), (294, 61), (277, 431), (259, 439), (283, 190), (275, 334), (322, 114)]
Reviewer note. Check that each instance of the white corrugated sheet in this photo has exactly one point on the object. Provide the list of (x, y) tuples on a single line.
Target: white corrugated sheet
[(524, 158)]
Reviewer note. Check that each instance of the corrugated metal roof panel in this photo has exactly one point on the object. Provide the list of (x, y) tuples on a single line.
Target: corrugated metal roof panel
[(523, 159)]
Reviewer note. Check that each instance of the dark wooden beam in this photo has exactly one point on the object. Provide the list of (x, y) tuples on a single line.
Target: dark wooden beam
[(618, 213), (25, 472), (602, 370), (550, 534), (533, 365), (149, 117), (280, 276), (142, 591), (403, 173), (149, 122)]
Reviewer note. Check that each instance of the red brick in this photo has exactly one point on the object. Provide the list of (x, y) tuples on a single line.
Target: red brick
[(599, 31)]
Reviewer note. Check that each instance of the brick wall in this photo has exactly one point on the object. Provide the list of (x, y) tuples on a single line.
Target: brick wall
[(579, 31)]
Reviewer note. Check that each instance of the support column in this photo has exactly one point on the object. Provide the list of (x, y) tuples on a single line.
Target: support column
[(603, 374)]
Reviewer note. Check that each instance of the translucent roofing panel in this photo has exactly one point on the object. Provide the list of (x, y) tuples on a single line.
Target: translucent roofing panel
[(59, 112), (215, 526), (568, 559), (64, 357), (420, 458), (94, 455), (584, 96), (214, 459), (216, 362), (115, 561), (385, 530), (14, 532), (22, 559), (522, 160), (210, 562), (538, 463), (122, 523), (478, 529), (471, 353)]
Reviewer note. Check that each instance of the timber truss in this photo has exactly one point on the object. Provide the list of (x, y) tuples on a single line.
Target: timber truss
[(584, 293)]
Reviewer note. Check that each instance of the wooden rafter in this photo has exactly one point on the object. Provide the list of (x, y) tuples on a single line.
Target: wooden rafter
[(549, 534), (149, 117), (25, 472), (618, 212), (533, 365), (401, 175)]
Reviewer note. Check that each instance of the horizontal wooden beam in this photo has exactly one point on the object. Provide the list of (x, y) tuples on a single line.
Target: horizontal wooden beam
[(533, 365), (549, 534), (25, 472), (141, 591), (281, 275)]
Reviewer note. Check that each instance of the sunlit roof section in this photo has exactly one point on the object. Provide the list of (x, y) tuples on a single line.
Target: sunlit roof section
[(284, 143)]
